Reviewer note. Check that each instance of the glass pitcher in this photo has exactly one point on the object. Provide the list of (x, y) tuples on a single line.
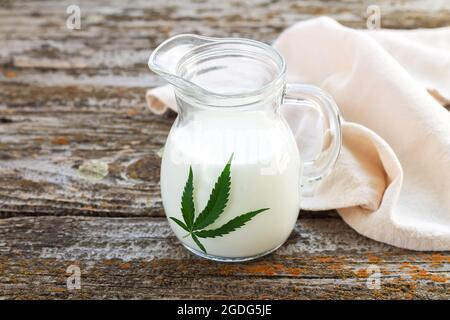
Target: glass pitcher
[(231, 173)]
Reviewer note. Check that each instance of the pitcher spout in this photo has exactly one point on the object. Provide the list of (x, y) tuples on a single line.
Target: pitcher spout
[(166, 57)]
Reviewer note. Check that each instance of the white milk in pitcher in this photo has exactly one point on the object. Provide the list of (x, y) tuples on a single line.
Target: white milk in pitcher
[(265, 173)]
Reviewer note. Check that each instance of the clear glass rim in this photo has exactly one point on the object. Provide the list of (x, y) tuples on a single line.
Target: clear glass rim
[(215, 42)]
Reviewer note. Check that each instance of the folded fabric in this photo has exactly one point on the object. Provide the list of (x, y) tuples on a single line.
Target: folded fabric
[(391, 182)]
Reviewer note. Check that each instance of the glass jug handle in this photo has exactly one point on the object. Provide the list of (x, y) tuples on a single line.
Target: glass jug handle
[(313, 97)]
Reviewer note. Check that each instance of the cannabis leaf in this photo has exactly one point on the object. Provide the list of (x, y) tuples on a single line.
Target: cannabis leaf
[(217, 200), (180, 223), (215, 206), (187, 201), (230, 226)]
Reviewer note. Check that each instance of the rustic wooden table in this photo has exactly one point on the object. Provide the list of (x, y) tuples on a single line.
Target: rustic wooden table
[(79, 163)]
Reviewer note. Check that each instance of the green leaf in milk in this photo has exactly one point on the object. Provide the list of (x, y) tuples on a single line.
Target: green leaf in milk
[(187, 201), (217, 202), (199, 244), (230, 226), (181, 224)]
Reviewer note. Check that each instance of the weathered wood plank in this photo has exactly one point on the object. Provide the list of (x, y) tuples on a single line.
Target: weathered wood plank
[(140, 258), (50, 136), (119, 35)]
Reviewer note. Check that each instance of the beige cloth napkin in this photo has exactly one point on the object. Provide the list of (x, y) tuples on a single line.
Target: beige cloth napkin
[(392, 180)]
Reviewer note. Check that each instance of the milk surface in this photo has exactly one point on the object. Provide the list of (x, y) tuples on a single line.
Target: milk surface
[(265, 173)]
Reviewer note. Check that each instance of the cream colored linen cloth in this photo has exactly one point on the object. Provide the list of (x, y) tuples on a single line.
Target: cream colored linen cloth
[(391, 182)]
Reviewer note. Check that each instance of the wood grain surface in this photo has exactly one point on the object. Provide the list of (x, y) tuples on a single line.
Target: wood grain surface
[(80, 157)]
